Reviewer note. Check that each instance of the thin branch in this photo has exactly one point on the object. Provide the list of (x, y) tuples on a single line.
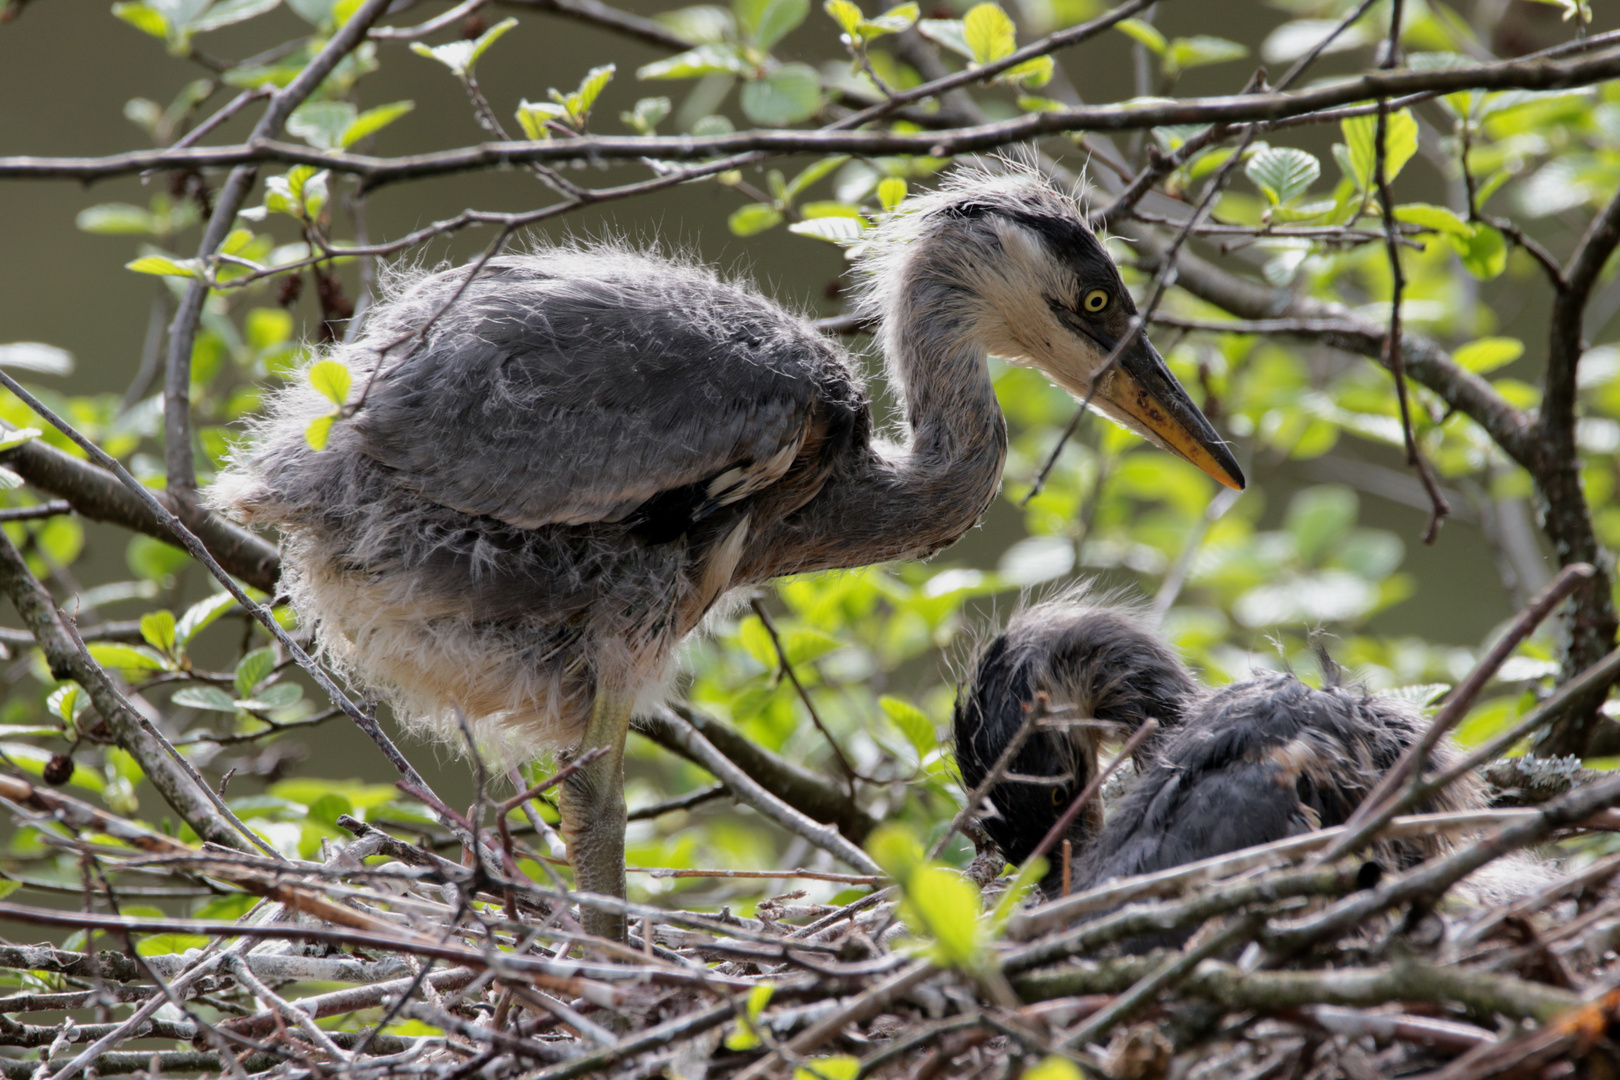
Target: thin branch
[(375, 171)]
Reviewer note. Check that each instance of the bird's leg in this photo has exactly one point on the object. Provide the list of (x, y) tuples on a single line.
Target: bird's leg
[(593, 811)]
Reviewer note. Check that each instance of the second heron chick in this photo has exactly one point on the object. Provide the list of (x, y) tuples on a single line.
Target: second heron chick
[(1247, 764)]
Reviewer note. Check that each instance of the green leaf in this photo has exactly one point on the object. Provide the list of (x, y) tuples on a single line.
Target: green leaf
[(116, 219), (461, 57), (812, 173), (1200, 49), (891, 192), (231, 12), (754, 218), (1436, 218), (778, 19), (10, 440), (332, 380), (270, 698), (834, 230), (322, 123), (143, 17), (67, 701), (1488, 354), (164, 265), (835, 1067), (536, 118), (647, 115), (157, 627), (846, 15), (1283, 173), (912, 722), (947, 32), (942, 905), (1053, 1067), (989, 33), (135, 659), (897, 19), (1400, 142), (1143, 34), (787, 95), (1034, 73), (590, 88), (704, 24), (896, 850), (252, 670), (200, 615), (744, 1034), (372, 121), (319, 431), (715, 59), (210, 698), (163, 944), (1484, 254)]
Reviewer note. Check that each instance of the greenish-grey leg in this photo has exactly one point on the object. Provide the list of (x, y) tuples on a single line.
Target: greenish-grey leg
[(593, 812)]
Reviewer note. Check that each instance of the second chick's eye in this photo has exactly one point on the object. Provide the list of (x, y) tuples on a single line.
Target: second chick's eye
[(1096, 300), (1060, 797)]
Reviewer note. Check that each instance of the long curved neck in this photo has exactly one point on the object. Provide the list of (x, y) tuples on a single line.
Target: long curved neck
[(884, 501)]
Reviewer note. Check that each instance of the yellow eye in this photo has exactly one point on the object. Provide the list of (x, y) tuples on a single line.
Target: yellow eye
[(1059, 798), (1096, 300)]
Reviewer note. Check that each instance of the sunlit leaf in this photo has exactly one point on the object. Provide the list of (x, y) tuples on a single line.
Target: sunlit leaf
[(989, 33), (332, 380), (1488, 354), (1283, 173), (753, 218), (372, 121)]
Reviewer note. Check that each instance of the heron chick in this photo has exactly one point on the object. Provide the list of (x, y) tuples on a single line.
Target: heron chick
[(547, 475), (1245, 764)]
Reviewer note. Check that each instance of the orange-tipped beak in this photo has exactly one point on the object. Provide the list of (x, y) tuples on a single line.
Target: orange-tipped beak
[(1141, 393)]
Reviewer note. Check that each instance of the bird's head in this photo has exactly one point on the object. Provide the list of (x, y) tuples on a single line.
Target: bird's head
[(1013, 260)]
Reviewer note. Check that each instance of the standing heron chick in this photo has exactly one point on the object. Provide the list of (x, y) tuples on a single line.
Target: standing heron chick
[(548, 474)]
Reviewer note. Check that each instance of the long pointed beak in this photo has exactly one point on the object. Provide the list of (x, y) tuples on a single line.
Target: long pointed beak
[(1141, 393)]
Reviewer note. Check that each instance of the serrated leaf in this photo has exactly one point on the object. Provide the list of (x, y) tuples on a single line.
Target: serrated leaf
[(1488, 354), (116, 219), (834, 230), (199, 615), (271, 698), (157, 627), (372, 121), (332, 380), (252, 670), (753, 218), (319, 431), (989, 33), (590, 88), (163, 265), (787, 95), (912, 722), (1283, 173), (461, 57), (717, 59), (536, 118), (210, 698), (1400, 143), (1144, 34)]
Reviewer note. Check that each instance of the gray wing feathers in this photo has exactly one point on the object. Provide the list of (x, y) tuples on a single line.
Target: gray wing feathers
[(567, 391)]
